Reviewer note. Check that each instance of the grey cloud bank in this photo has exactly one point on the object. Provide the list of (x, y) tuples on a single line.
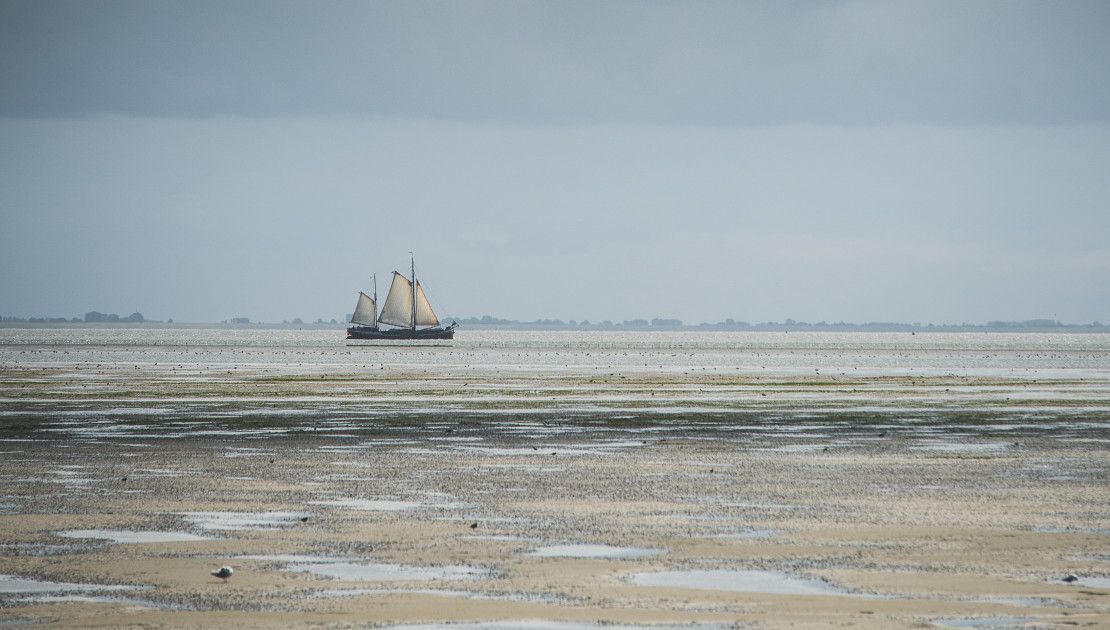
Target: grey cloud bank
[(853, 161), (713, 63)]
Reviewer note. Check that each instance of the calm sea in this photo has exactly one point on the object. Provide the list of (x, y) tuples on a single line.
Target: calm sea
[(1073, 356), (763, 390)]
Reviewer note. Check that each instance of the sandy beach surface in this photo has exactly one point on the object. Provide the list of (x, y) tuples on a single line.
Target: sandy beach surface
[(513, 482)]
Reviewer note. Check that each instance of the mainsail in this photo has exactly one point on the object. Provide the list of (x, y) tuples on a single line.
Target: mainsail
[(397, 310), (406, 310), (365, 310), (425, 316)]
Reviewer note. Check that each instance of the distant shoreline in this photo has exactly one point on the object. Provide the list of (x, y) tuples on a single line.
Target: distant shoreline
[(548, 327)]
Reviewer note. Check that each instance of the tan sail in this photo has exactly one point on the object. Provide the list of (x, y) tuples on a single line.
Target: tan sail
[(425, 316), (365, 310), (397, 310)]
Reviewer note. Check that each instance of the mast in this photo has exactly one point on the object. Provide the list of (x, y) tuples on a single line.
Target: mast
[(412, 261)]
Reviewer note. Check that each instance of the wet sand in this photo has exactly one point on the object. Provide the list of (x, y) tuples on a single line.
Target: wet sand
[(383, 494)]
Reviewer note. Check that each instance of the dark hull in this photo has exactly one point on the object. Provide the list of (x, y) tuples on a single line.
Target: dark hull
[(364, 332)]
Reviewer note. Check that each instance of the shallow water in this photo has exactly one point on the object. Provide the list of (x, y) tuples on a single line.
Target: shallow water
[(125, 536), (371, 505), (543, 624), (984, 623), (383, 572), (198, 353), (234, 521), (773, 582), (746, 534), (594, 551), (341, 568), (483, 455), (16, 584), (508, 597), (292, 558), (1094, 582), (96, 599)]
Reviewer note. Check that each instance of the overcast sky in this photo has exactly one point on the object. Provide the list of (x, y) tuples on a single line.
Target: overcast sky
[(859, 161)]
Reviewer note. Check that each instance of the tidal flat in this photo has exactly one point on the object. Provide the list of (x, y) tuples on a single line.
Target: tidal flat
[(523, 479)]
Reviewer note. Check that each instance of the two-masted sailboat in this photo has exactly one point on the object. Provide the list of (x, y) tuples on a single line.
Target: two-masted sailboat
[(406, 308)]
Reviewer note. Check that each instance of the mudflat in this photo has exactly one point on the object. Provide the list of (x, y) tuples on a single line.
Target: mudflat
[(520, 486)]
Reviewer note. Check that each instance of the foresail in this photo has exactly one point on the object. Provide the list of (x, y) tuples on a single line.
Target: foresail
[(397, 310), (365, 311), (424, 314)]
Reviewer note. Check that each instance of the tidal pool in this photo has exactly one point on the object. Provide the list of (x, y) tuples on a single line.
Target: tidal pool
[(745, 534), (772, 582), (16, 584), (986, 623), (543, 624), (378, 572), (243, 520), (93, 599), (126, 536), (371, 505), (1094, 582), (594, 551), (507, 597), (349, 569)]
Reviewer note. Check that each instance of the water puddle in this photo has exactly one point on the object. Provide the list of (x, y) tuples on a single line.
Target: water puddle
[(150, 473), (1024, 602), (371, 505), (962, 447), (243, 520), (88, 599), (543, 624), (548, 450), (1073, 530), (796, 448), (745, 534), (594, 551), (128, 536), (1090, 557), (292, 559), (71, 476), (1093, 582), (244, 451), (40, 550), (988, 623), (380, 572), (15, 584), (760, 505), (507, 597), (391, 505), (771, 582), (346, 569), (525, 468)]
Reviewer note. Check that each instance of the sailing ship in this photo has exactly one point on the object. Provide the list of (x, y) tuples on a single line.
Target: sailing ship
[(406, 308)]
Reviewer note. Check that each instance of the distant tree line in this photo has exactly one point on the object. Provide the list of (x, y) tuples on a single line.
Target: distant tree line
[(296, 321), (92, 317), (39, 320), (95, 316), (786, 325), (657, 323)]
